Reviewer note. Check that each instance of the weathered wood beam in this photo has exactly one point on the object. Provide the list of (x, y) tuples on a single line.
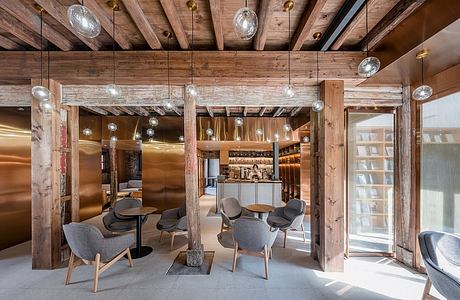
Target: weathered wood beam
[(227, 111), (106, 23), (126, 110), (96, 110), (245, 111), (59, 12), (15, 95), (137, 15), (8, 44), (112, 110), (311, 14), (113, 172), (32, 20), (216, 15), (74, 169), (171, 13), (19, 30), (140, 111), (159, 110), (393, 18), (278, 112), (264, 14), (177, 111), (295, 111), (209, 109), (262, 111)]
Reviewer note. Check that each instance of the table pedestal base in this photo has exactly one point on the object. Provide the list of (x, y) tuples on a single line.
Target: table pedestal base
[(144, 251)]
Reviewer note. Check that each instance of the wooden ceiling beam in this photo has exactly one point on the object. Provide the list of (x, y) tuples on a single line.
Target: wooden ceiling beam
[(245, 111), (295, 111), (158, 110), (311, 14), (8, 44), (96, 110), (216, 15), (32, 20), (170, 10), (19, 30), (177, 111), (114, 111), (278, 112), (227, 111), (210, 112), (125, 109), (393, 18), (262, 111), (142, 23), (264, 14), (140, 111), (106, 23)]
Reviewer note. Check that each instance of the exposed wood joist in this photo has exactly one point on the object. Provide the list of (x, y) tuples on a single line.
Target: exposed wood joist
[(112, 110), (209, 109), (216, 14), (227, 111), (177, 111), (59, 12), (8, 44), (142, 23), (96, 110), (245, 111), (32, 20), (278, 112), (346, 13), (264, 14), (170, 10), (389, 22), (158, 110), (106, 23), (295, 111), (262, 111), (309, 17), (19, 30), (15, 95), (126, 110), (140, 111)]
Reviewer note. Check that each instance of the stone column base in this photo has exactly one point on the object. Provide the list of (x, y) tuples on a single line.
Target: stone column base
[(195, 257)]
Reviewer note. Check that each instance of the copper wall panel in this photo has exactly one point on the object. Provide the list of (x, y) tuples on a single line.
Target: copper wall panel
[(90, 179), (15, 177)]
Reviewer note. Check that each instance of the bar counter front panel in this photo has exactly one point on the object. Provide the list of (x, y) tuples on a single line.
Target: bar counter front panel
[(250, 192)]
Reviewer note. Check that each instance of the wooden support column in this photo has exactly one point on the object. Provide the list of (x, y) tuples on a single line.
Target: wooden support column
[(74, 122), (113, 172), (195, 252), (404, 201), (331, 177), (314, 192), (46, 180)]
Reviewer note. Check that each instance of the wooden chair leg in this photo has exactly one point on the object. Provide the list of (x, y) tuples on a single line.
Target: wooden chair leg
[(222, 226), (172, 240), (96, 272), (426, 291), (70, 268), (130, 260), (270, 253), (266, 261), (235, 255), (285, 238), (303, 232), (161, 235)]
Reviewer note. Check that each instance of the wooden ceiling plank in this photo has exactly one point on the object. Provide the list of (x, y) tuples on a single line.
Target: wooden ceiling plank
[(307, 21), (32, 20), (389, 22), (227, 111), (59, 12), (18, 29), (216, 16), (170, 10), (96, 110), (177, 111), (140, 111), (278, 112), (210, 112), (264, 14), (295, 111), (8, 44), (245, 111), (158, 110), (142, 23), (262, 111), (125, 109), (114, 111)]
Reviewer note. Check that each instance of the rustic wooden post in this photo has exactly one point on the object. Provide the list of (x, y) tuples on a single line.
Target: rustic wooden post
[(195, 252), (46, 180), (113, 172), (331, 176), (314, 195), (74, 162), (404, 200)]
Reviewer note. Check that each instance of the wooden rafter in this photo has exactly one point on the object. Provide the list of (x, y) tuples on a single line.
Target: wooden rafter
[(177, 111), (278, 112), (142, 23), (59, 12), (96, 110), (227, 111), (309, 17), (18, 29), (262, 111), (174, 20), (396, 15), (245, 111), (32, 20), (210, 112), (141, 111), (265, 13), (112, 110), (158, 110), (8, 44), (295, 111), (217, 23), (126, 110)]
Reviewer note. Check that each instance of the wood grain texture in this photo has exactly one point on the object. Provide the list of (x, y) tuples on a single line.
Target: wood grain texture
[(74, 130), (170, 10), (8, 44), (264, 14), (216, 13), (113, 173), (96, 110), (19, 30), (309, 17), (314, 189)]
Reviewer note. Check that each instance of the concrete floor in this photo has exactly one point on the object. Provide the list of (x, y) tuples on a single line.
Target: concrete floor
[(293, 274)]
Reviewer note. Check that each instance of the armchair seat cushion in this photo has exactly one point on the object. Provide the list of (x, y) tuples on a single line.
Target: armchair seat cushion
[(167, 224), (121, 226), (278, 222), (225, 238)]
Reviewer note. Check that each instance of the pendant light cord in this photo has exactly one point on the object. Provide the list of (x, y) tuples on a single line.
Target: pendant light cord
[(113, 44), (169, 84), (48, 64), (317, 74), (41, 48), (245, 3), (289, 45), (192, 65), (422, 70), (367, 32)]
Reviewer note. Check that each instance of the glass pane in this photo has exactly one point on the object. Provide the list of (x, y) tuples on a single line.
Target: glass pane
[(370, 182), (440, 165)]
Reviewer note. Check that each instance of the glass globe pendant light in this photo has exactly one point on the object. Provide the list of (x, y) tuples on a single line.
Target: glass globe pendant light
[(87, 132), (209, 132), (370, 65), (191, 89), (424, 91), (238, 121), (40, 92), (245, 22), (112, 127), (289, 90), (83, 20), (153, 121), (113, 90), (150, 132), (181, 138)]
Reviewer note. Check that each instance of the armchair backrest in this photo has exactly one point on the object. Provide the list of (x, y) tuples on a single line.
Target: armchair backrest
[(294, 208), (125, 203), (253, 234), (182, 212), (84, 239), (231, 207)]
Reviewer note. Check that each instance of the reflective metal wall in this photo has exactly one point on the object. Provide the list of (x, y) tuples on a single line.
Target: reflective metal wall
[(15, 177), (90, 179)]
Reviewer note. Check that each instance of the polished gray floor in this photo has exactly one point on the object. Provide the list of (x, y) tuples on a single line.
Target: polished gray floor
[(293, 274)]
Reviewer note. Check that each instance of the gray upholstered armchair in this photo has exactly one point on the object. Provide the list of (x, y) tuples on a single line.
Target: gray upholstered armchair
[(441, 255), (173, 221), (289, 217), (87, 243), (230, 211), (114, 222)]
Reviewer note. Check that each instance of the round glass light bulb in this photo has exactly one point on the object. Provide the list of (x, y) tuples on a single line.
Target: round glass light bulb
[(276, 136), (238, 121), (238, 138), (113, 138), (181, 138), (169, 105), (287, 127), (213, 138), (83, 21), (369, 66), (269, 140), (47, 106), (245, 23), (209, 131), (192, 90), (87, 131), (41, 93), (151, 140), (259, 131), (153, 121), (113, 90), (423, 92), (317, 105), (150, 132), (289, 91), (138, 136), (305, 139), (112, 127)]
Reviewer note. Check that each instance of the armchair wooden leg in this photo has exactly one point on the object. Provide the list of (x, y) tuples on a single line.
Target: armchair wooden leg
[(235, 255), (266, 261), (426, 291), (270, 253), (285, 238), (70, 268), (222, 226), (161, 235), (130, 260), (303, 232), (96, 272), (172, 239)]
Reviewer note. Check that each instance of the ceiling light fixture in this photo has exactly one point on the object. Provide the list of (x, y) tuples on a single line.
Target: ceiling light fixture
[(370, 65), (238, 121), (305, 139), (138, 136), (113, 90), (259, 131), (83, 20), (317, 104), (87, 132), (287, 127), (150, 132), (113, 138), (289, 90), (245, 22), (191, 89), (424, 91), (209, 132), (112, 127), (181, 138), (40, 92), (153, 121)]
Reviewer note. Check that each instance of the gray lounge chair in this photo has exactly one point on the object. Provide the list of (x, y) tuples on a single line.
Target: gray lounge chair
[(87, 243), (289, 217), (115, 222), (173, 221), (230, 211), (441, 255)]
